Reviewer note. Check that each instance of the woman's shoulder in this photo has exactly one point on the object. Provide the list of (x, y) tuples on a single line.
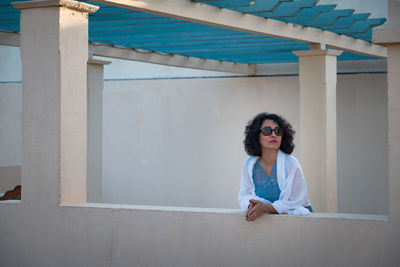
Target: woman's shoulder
[(290, 159), (250, 160)]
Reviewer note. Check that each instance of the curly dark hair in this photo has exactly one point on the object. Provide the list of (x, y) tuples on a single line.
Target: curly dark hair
[(252, 134)]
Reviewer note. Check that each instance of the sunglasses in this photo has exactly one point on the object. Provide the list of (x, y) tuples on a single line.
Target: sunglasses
[(267, 131)]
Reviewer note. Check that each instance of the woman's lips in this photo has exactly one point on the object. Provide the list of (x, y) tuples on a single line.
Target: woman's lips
[(273, 141)]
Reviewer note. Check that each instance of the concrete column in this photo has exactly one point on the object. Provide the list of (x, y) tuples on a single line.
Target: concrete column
[(95, 72), (389, 35), (317, 75), (54, 54)]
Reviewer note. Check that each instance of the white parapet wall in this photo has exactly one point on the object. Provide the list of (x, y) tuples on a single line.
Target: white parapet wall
[(113, 235)]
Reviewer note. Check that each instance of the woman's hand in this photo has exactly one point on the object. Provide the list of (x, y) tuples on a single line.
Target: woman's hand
[(257, 208)]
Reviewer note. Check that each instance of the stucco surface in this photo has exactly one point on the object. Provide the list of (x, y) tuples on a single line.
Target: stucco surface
[(78, 236), (159, 134), (10, 176), (362, 144), (149, 127), (179, 142), (10, 121)]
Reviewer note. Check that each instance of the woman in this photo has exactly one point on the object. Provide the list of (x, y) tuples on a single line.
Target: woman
[(272, 180)]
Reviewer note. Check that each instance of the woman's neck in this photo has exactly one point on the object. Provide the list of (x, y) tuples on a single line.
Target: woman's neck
[(268, 157)]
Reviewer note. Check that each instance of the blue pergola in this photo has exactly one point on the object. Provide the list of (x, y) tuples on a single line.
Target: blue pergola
[(116, 26)]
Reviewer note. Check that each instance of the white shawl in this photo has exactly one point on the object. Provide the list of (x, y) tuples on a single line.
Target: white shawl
[(291, 182)]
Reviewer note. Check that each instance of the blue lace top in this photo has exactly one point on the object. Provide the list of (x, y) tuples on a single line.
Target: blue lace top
[(266, 186)]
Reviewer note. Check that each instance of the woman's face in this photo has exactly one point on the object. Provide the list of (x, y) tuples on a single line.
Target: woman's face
[(273, 141)]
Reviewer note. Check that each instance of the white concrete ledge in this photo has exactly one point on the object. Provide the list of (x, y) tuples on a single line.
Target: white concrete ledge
[(158, 208), (12, 202), (98, 62), (350, 216), (341, 216)]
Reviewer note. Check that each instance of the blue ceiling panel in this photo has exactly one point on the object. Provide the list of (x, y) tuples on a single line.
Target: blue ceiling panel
[(148, 32)]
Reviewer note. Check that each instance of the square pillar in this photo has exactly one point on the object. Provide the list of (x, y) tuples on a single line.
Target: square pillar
[(318, 148), (389, 35), (95, 81), (54, 54)]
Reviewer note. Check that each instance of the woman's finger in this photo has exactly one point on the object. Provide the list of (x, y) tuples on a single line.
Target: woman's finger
[(253, 211), (251, 205)]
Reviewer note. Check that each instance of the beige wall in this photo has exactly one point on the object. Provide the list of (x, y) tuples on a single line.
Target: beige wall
[(10, 124), (178, 142), (10, 135), (362, 144), (10, 176), (168, 142)]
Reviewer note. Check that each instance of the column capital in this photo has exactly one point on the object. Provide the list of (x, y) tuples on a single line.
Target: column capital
[(389, 33), (98, 62), (79, 6), (317, 52)]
